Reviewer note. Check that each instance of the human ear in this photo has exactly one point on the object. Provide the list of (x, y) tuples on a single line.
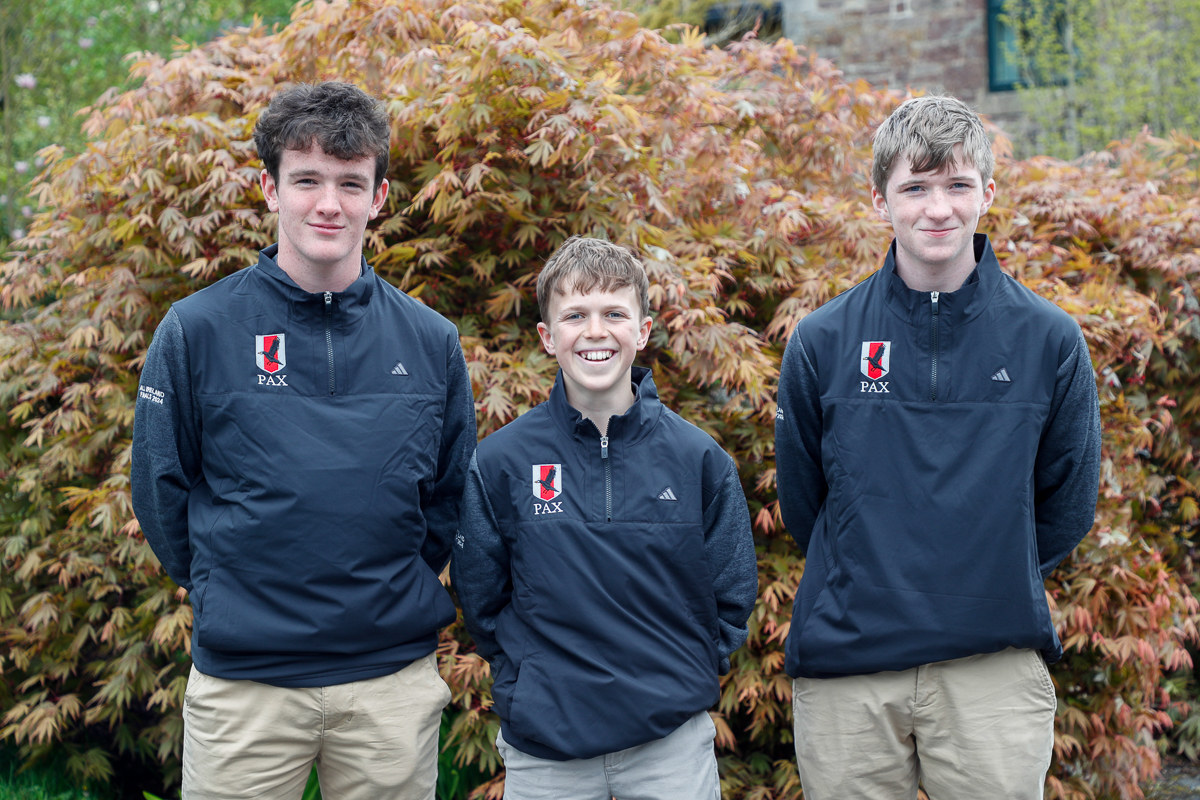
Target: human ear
[(380, 195), (879, 201), (644, 332), (547, 340), (989, 194), (269, 190)]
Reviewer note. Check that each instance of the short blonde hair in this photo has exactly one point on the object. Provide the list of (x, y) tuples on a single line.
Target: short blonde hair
[(586, 265), (925, 130)]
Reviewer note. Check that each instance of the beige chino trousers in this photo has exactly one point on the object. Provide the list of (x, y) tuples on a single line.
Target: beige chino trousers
[(371, 740), (976, 728)]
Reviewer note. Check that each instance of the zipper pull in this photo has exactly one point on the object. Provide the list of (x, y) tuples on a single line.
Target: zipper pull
[(603, 446), (934, 297), (329, 300)]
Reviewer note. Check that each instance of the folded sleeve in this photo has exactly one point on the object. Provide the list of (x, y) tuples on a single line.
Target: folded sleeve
[(799, 474), (166, 449), (1067, 468)]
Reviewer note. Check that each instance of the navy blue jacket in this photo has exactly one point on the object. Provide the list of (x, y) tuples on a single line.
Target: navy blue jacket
[(297, 465), (606, 586), (936, 460)]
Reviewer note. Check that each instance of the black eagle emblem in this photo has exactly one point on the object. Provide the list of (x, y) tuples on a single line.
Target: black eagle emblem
[(547, 483), (875, 359), (270, 353)]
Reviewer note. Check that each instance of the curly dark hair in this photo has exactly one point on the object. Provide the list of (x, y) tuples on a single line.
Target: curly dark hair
[(344, 120)]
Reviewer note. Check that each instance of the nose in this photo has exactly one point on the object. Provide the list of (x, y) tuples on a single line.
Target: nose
[(327, 201), (938, 206), (595, 327)]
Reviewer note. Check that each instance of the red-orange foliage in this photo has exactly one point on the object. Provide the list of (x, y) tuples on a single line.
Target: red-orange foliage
[(739, 176)]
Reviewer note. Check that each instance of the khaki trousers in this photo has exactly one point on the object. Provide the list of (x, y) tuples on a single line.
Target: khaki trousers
[(976, 728), (371, 740)]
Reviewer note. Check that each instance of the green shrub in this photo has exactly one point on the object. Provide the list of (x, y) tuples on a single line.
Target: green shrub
[(738, 175)]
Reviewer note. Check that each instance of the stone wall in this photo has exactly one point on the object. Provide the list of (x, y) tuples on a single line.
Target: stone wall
[(935, 45)]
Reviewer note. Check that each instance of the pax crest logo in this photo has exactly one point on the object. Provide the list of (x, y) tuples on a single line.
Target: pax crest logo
[(876, 359), (270, 352), (547, 481)]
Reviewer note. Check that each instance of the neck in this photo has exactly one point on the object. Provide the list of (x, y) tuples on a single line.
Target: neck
[(600, 409), (317, 279), (918, 279)]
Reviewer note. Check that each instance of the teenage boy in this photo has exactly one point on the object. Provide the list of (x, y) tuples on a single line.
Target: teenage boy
[(605, 563), (938, 451), (301, 436)]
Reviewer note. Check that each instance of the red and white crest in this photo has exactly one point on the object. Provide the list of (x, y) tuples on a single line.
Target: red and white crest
[(547, 481), (270, 352), (876, 359)]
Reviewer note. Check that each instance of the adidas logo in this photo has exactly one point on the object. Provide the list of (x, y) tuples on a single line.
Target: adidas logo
[(1002, 376), (667, 494), (399, 369)]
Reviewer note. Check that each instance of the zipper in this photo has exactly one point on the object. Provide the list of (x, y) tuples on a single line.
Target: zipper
[(329, 339), (933, 347), (607, 478)]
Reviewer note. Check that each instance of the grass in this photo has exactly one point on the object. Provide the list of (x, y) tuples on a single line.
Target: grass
[(38, 783), (48, 782)]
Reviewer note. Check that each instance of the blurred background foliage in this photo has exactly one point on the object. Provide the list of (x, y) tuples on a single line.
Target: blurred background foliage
[(739, 175), (58, 56)]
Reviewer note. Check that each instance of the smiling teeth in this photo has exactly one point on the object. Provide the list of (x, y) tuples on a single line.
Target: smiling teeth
[(597, 355)]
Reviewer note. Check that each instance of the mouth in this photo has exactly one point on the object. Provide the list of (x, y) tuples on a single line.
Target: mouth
[(597, 356), (938, 234), (328, 229)]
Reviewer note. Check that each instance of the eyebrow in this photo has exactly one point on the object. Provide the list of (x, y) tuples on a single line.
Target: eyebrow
[(581, 309), (921, 177), (313, 173)]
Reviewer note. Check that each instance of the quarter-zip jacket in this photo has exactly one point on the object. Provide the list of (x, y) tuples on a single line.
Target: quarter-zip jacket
[(606, 579), (297, 464), (938, 455)]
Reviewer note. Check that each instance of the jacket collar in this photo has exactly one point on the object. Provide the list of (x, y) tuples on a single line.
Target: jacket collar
[(353, 300), (634, 425), (961, 305)]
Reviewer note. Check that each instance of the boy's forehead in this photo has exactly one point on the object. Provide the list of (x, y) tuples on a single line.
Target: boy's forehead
[(570, 294), (302, 158), (957, 163)]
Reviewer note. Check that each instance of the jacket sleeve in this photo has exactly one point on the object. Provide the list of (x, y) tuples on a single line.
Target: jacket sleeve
[(733, 566), (166, 449), (481, 570), (799, 475), (440, 502), (1067, 469)]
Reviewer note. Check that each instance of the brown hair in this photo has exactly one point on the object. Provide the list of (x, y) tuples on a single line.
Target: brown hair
[(342, 119), (586, 264), (926, 129)]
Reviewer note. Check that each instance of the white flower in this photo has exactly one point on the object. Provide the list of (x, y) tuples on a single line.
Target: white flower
[(153, 6), (86, 41), (21, 167), (43, 121), (18, 233), (26, 80), (26, 211), (92, 22), (3, 199)]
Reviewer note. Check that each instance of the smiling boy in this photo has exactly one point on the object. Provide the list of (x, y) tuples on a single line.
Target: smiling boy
[(938, 450), (300, 440), (605, 563)]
